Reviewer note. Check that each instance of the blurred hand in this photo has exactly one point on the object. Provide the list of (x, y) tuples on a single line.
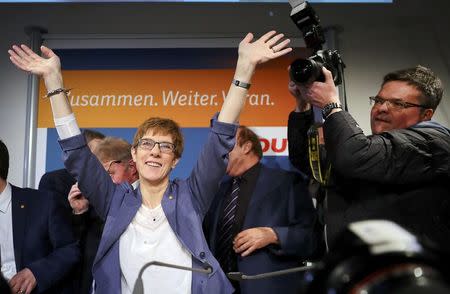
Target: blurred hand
[(320, 94), (23, 282), (252, 239), (77, 201)]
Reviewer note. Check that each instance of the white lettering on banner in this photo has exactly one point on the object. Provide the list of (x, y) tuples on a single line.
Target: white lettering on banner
[(112, 100), (255, 99), (177, 98), (169, 98), (273, 140)]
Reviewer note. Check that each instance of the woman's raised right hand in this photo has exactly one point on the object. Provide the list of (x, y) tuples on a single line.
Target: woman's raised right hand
[(25, 59)]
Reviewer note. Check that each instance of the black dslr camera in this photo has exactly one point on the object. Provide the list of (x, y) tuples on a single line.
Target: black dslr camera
[(379, 257), (304, 71)]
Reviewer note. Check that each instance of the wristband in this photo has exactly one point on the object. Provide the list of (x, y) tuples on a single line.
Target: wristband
[(241, 84), (57, 91)]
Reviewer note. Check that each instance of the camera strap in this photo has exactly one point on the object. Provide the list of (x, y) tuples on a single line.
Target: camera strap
[(315, 157)]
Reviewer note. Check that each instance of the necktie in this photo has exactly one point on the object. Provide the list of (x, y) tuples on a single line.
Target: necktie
[(226, 232)]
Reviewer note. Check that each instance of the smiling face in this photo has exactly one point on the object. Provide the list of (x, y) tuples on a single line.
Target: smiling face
[(384, 118), (153, 165)]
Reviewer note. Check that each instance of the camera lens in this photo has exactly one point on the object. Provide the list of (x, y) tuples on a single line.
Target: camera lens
[(304, 71)]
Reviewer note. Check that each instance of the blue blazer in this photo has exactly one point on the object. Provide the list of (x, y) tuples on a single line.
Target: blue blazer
[(185, 203), (43, 240), (281, 201)]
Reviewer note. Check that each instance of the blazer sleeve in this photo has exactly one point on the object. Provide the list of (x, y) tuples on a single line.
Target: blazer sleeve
[(93, 181), (64, 250), (205, 177), (300, 237)]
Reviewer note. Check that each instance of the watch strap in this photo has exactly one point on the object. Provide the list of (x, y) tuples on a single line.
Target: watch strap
[(329, 107)]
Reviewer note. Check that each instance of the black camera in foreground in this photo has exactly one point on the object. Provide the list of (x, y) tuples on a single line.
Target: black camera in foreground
[(380, 257), (304, 71)]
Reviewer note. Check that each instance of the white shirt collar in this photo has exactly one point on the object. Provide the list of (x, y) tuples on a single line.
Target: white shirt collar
[(135, 184), (5, 198)]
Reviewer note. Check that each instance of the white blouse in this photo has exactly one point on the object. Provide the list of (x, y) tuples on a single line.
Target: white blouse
[(149, 237)]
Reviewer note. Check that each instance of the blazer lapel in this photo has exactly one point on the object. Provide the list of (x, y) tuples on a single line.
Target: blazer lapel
[(127, 211), (169, 205), (264, 184), (125, 214), (19, 220)]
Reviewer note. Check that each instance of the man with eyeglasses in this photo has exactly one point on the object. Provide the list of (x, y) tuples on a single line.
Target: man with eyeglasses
[(400, 172), (115, 156)]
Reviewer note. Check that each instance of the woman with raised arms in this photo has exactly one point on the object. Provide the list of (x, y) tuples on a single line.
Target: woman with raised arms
[(162, 219)]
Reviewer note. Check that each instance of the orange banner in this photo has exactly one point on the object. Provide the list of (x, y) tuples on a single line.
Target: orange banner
[(125, 98)]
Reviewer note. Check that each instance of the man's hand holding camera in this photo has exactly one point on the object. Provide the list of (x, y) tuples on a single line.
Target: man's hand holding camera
[(319, 94)]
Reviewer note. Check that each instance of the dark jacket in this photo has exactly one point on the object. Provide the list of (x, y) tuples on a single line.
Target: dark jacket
[(43, 241), (402, 175), (87, 227), (59, 183), (280, 200)]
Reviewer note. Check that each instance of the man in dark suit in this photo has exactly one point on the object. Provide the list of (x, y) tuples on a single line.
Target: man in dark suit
[(272, 223), (38, 249), (59, 182)]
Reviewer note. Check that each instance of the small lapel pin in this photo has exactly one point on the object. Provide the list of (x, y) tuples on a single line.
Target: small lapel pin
[(22, 205)]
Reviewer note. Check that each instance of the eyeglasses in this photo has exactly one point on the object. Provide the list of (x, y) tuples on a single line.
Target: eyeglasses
[(110, 165), (164, 147), (396, 104)]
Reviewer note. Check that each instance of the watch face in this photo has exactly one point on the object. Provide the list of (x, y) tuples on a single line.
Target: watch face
[(328, 108)]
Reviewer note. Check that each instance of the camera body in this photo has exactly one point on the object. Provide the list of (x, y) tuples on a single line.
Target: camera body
[(304, 71)]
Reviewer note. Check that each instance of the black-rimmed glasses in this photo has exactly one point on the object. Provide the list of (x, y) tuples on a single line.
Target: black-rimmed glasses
[(111, 164), (396, 104), (149, 144)]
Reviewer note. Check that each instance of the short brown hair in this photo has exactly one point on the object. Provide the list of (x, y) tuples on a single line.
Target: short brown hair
[(112, 148), (163, 126), (246, 135), (91, 135), (424, 80)]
